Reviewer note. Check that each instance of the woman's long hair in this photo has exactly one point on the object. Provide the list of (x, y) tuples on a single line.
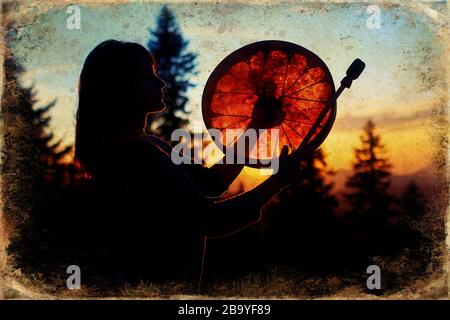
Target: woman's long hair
[(106, 103)]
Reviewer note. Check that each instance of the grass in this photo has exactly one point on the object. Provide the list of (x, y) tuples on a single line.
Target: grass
[(401, 279)]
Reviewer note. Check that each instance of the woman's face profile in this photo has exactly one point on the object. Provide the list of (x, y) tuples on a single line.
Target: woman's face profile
[(148, 86)]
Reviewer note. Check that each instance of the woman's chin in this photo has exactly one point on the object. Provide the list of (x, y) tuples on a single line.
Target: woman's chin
[(157, 108), (162, 107)]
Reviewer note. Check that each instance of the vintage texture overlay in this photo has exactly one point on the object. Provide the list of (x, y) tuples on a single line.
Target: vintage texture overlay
[(404, 90)]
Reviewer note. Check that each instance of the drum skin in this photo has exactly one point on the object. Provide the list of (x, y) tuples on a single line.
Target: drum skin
[(270, 85)]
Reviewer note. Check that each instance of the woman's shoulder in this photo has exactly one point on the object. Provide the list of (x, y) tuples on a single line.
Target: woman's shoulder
[(143, 150), (137, 160), (132, 153), (158, 142)]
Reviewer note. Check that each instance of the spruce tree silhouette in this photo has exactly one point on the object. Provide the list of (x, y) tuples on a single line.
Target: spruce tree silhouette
[(371, 206), (297, 227), (371, 177), (32, 167), (304, 221), (175, 67), (413, 203)]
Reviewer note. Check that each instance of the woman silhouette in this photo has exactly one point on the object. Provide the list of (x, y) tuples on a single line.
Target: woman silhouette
[(147, 214)]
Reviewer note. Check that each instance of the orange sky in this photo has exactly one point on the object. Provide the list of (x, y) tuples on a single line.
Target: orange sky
[(401, 90)]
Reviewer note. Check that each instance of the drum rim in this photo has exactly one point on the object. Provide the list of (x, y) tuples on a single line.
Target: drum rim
[(267, 45)]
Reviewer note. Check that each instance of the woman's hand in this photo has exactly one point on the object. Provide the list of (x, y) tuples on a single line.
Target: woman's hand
[(289, 164)]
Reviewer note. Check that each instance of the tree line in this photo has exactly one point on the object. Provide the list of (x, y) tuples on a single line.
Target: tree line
[(300, 226)]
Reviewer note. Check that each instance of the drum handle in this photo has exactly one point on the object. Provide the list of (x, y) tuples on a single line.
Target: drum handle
[(353, 72)]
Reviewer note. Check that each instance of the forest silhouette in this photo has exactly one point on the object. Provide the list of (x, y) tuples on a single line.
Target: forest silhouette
[(300, 228)]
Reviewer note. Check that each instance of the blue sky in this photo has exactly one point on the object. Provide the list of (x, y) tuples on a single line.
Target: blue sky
[(401, 88)]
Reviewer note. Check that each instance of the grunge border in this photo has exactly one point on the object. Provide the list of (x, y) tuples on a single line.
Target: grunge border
[(14, 285)]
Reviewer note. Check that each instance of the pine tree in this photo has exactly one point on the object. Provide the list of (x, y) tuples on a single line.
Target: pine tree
[(413, 203), (371, 177), (312, 182), (301, 219), (311, 191), (175, 67), (32, 164)]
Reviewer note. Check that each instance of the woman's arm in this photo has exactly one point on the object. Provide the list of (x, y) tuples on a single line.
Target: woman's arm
[(239, 212), (229, 171), (184, 201), (214, 181), (219, 218)]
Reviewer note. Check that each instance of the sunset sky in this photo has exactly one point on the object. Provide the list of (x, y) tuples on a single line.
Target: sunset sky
[(402, 89)]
